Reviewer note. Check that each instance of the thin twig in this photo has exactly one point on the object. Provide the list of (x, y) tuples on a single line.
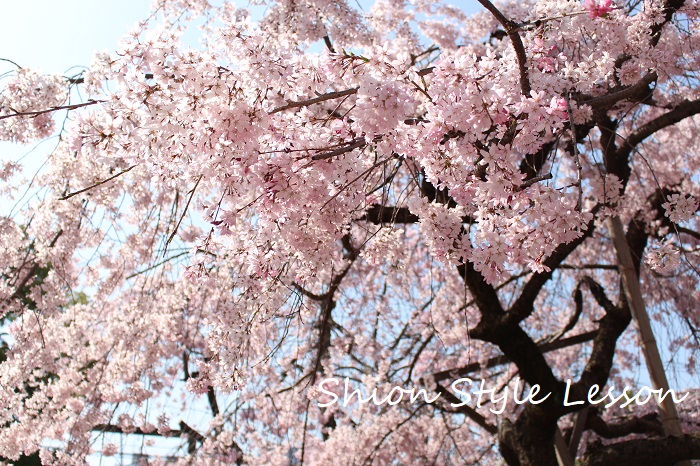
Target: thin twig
[(156, 265), (184, 212), (99, 183), (577, 158), (10, 61), (49, 110)]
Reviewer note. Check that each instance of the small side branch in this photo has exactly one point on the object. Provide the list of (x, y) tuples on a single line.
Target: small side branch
[(49, 110), (99, 183), (531, 181), (355, 144), (683, 110), (573, 320), (636, 92), (315, 100)]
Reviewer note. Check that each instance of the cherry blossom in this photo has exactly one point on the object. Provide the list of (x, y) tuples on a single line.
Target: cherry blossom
[(397, 196), (597, 9)]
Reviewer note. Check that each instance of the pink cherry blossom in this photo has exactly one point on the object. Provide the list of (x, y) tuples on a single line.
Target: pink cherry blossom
[(598, 9), (400, 197)]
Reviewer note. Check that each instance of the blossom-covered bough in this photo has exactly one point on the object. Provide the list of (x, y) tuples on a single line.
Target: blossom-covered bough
[(400, 196)]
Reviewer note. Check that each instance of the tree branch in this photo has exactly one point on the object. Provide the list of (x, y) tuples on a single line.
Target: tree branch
[(99, 183), (683, 110), (524, 305), (645, 451), (315, 100), (499, 360), (49, 110), (354, 144), (636, 92), (648, 424), (512, 30)]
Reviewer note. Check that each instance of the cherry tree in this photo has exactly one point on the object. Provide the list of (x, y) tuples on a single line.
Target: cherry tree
[(331, 196)]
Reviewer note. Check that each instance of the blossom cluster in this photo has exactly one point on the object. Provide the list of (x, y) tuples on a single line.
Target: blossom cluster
[(313, 195)]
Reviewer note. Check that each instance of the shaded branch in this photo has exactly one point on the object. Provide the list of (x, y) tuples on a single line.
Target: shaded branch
[(683, 110), (645, 451), (648, 424), (636, 92), (689, 232)]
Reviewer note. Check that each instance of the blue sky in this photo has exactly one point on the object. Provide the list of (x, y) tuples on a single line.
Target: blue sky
[(53, 35)]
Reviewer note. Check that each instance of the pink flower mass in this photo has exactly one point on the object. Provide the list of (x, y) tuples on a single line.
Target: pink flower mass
[(596, 9), (395, 195)]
